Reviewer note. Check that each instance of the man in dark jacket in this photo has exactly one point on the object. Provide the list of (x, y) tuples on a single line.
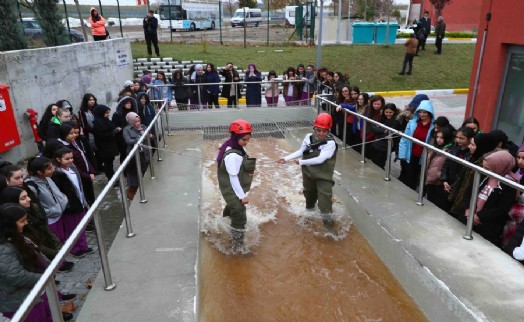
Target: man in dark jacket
[(440, 32), (425, 28), (150, 25)]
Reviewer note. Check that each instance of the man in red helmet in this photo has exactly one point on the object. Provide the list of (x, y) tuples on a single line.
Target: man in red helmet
[(235, 174), (318, 152)]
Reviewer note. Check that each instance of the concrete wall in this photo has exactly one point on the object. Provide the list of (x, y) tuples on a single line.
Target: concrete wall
[(38, 77)]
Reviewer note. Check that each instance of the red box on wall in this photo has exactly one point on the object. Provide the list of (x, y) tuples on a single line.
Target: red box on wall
[(9, 137)]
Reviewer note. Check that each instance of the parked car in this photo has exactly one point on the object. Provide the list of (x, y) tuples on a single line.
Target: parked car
[(32, 29)]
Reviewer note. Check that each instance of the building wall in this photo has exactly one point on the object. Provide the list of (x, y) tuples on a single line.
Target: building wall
[(460, 15), (504, 29), (38, 77)]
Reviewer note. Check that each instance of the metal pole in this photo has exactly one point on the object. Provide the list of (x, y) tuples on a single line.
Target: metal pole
[(139, 173), (349, 21), (387, 26), (162, 129), (220, 19), (148, 5), (422, 178), (67, 20), (199, 100), (339, 19), (120, 18), (19, 12), (363, 147), (103, 253), (158, 151), (345, 127), (267, 42), (245, 25), (170, 25), (472, 206), (319, 41), (54, 303), (167, 124), (150, 152), (125, 204), (388, 160), (477, 74), (100, 6)]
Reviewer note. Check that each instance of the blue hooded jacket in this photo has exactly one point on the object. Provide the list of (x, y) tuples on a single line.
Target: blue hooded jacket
[(406, 146)]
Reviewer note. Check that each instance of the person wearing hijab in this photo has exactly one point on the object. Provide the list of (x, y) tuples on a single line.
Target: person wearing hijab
[(494, 198), (105, 133), (513, 236), (235, 174), (132, 133), (198, 93), (253, 86), (479, 145), (125, 105)]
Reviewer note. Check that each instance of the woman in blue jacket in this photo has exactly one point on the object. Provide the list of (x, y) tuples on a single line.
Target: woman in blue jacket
[(420, 128)]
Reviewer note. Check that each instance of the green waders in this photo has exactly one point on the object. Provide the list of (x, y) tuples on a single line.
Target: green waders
[(318, 179), (234, 207)]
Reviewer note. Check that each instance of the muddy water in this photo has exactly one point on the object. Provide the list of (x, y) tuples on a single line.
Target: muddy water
[(291, 268)]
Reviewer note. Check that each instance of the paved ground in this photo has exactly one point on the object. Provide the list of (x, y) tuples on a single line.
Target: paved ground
[(87, 268)]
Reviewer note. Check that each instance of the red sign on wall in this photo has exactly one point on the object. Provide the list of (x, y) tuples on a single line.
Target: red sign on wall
[(9, 137), (141, 2)]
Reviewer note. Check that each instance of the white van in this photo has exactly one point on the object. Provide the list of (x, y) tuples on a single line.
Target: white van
[(253, 17), (289, 15)]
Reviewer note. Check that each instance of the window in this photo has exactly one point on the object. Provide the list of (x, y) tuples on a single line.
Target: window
[(510, 116)]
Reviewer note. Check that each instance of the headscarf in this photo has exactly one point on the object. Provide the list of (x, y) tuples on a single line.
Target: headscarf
[(10, 194), (415, 102), (485, 142), (500, 162), (232, 143), (131, 117), (197, 67), (104, 123)]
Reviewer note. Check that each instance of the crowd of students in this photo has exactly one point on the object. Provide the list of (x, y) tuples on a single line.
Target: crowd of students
[(295, 85), (42, 205), (499, 209)]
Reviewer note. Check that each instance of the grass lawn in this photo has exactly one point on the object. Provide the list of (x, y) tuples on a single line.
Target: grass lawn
[(371, 68)]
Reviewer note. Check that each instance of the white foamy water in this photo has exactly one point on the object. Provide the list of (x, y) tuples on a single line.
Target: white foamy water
[(275, 186)]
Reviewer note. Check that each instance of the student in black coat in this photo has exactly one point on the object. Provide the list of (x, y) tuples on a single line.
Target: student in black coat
[(105, 133)]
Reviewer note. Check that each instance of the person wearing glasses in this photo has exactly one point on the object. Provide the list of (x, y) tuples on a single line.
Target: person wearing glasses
[(318, 152)]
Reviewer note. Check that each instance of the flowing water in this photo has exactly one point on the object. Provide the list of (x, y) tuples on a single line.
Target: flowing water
[(290, 268)]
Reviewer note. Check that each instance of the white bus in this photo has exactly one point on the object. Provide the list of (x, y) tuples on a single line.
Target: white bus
[(189, 14)]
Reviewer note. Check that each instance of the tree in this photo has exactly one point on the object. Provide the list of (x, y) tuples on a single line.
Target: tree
[(12, 35), (439, 5), (47, 13), (247, 3)]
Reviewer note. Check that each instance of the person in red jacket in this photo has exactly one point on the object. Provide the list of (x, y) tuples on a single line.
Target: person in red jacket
[(98, 25)]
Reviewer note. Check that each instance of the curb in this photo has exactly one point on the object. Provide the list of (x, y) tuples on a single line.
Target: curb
[(429, 92)]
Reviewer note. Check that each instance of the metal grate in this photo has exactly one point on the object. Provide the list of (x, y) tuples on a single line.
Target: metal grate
[(260, 130)]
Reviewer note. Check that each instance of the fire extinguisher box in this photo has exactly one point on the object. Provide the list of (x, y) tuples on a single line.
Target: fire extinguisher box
[(9, 137)]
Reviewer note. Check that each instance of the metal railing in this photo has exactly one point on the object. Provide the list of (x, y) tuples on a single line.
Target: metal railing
[(240, 84), (47, 281), (392, 132)]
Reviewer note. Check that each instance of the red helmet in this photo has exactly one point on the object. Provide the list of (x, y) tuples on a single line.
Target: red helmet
[(240, 127), (323, 121)]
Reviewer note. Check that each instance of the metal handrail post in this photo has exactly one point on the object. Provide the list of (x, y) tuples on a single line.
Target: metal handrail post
[(139, 173), (158, 150), (345, 128), (163, 131), (167, 123), (150, 152), (125, 204), (472, 206), (422, 178), (363, 147), (103, 253), (317, 103), (388, 159), (199, 100), (236, 96), (52, 298)]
